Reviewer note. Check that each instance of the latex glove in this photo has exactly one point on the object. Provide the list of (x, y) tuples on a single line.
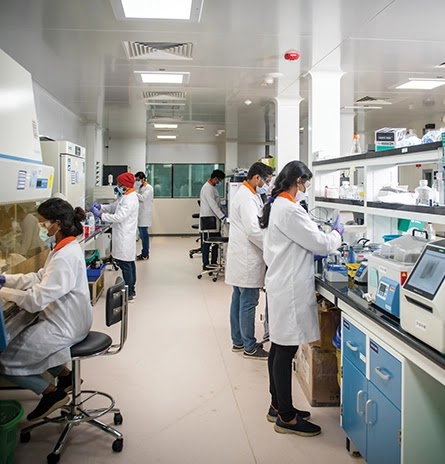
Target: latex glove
[(95, 205), (95, 211), (318, 257), (2, 280), (338, 226)]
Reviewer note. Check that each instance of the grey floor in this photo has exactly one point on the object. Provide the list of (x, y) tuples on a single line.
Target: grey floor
[(185, 397)]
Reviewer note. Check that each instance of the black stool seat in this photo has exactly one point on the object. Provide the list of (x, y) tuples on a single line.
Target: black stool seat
[(217, 240), (94, 343), (195, 226), (195, 215)]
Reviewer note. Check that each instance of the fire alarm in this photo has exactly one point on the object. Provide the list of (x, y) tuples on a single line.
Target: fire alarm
[(292, 55)]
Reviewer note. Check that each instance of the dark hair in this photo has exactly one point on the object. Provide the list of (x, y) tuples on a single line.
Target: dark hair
[(261, 169), (140, 175), (218, 173), (56, 209), (287, 178)]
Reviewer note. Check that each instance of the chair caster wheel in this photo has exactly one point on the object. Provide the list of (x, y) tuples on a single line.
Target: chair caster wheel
[(25, 437), (214, 279), (118, 444), (190, 256), (199, 276), (118, 419), (210, 273), (53, 458)]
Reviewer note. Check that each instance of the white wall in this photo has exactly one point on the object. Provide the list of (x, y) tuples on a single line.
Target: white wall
[(249, 153), (167, 152), (126, 151)]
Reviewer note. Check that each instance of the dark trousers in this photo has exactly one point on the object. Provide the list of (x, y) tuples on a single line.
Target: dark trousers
[(145, 239), (205, 250), (128, 269), (280, 379)]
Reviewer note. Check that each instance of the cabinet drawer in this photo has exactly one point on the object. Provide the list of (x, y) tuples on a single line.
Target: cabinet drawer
[(354, 345), (385, 372)]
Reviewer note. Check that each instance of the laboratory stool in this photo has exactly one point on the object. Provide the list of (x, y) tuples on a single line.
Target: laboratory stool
[(209, 225), (195, 251), (95, 344)]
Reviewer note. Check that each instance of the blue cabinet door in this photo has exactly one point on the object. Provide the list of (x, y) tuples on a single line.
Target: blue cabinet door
[(384, 423), (354, 397)]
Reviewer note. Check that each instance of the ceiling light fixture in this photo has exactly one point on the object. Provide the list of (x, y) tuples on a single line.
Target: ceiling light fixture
[(166, 137), (164, 77), (421, 84), (155, 9), (165, 126), (199, 128), (361, 107), (248, 102)]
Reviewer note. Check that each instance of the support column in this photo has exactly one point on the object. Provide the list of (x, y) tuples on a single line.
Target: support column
[(231, 158), (231, 148), (94, 159)]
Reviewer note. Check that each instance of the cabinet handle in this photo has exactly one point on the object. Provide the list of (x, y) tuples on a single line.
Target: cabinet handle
[(381, 374), (368, 405), (360, 394), (351, 346)]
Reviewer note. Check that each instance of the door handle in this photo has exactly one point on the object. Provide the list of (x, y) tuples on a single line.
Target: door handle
[(360, 394), (367, 414), (351, 346), (383, 376)]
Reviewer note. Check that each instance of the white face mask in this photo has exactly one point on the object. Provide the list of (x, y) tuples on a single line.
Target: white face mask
[(261, 190), (137, 184), (300, 196)]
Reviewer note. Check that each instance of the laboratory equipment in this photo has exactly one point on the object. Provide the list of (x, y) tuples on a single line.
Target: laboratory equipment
[(356, 148), (361, 275), (336, 273), (424, 193), (68, 160), (343, 191), (422, 307), (388, 296), (232, 189)]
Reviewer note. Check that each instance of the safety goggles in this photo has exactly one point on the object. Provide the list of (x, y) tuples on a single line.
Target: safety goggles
[(265, 179)]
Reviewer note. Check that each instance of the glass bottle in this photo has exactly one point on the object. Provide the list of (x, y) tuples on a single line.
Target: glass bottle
[(423, 193), (431, 231), (356, 149), (343, 191)]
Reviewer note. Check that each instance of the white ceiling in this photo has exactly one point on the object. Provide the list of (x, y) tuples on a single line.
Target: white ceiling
[(75, 50)]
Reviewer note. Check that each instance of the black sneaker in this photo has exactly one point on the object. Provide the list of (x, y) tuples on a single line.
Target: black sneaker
[(48, 404), (303, 427), (237, 348), (141, 258), (65, 383), (257, 353), (265, 338), (272, 414)]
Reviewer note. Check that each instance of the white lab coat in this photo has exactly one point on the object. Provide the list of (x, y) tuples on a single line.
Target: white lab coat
[(210, 201), (145, 197), (59, 293), (245, 266), (290, 241), (123, 215)]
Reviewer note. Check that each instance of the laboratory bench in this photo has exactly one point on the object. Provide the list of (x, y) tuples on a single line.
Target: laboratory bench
[(393, 385)]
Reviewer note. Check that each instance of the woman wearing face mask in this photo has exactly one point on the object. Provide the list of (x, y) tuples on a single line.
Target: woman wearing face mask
[(144, 192), (59, 293), (290, 240)]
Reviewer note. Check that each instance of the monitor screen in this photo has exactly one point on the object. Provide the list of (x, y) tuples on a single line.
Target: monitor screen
[(428, 273)]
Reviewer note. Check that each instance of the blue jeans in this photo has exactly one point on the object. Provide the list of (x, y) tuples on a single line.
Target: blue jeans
[(35, 382), (145, 239), (242, 316), (129, 275)]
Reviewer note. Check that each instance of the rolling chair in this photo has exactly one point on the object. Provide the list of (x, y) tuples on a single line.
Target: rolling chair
[(95, 344), (208, 225), (195, 251)]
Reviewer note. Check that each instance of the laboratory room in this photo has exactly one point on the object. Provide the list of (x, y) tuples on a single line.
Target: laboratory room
[(222, 231)]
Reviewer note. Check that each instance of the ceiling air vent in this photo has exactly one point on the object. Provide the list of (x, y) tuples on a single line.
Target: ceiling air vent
[(373, 101), (159, 50), (163, 96)]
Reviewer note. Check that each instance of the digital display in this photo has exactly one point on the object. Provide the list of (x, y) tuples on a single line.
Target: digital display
[(428, 274)]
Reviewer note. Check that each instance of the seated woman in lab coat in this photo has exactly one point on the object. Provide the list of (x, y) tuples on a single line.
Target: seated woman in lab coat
[(290, 241), (59, 293)]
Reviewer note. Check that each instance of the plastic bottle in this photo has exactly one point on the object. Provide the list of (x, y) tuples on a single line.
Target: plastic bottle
[(343, 191), (423, 193), (440, 189), (431, 231), (361, 192), (356, 148)]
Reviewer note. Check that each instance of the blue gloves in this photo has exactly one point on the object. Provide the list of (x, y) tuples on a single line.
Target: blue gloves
[(2, 280), (96, 205), (338, 226), (318, 257), (96, 211)]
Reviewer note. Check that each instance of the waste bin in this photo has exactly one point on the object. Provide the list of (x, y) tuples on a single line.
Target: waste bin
[(11, 412)]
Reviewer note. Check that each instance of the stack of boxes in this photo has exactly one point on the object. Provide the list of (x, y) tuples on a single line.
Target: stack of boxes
[(316, 363)]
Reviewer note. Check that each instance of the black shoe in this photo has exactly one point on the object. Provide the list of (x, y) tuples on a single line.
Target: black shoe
[(48, 404), (237, 348), (272, 414), (257, 353), (302, 427), (65, 383), (141, 258)]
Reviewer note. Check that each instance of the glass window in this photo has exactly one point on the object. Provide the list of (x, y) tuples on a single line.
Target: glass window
[(160, 177), (188, 179)]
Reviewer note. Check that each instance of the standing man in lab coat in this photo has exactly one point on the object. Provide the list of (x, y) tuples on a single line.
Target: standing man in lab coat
[(123, 215), (144, 192), (245, 268), (210, 205)]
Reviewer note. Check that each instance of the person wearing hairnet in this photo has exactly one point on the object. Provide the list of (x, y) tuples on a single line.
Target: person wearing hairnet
[(245, 268), (59, 293), (291, 239), (123, 215), (144, 192)]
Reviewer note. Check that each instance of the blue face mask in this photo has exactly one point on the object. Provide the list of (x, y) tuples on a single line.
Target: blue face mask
[(118, 190), (262, 190)]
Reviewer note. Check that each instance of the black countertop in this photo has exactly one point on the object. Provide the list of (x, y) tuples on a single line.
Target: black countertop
[(351, 294)]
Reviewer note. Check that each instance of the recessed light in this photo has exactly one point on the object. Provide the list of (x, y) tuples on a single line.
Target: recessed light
[(165, 126), (220, 131), (164, 77), (421, 84), (361, 107), (199, 128), (156, 9), (248, 102), (166, 137)]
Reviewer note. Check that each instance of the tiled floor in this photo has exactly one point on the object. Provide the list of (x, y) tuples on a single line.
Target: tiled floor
[(185, 397)]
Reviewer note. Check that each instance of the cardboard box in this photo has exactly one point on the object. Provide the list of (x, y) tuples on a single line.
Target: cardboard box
[(316, 372), (329, 318), (388, 138)]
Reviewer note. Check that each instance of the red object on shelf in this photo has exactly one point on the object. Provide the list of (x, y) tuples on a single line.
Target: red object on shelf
[(292, 55)]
